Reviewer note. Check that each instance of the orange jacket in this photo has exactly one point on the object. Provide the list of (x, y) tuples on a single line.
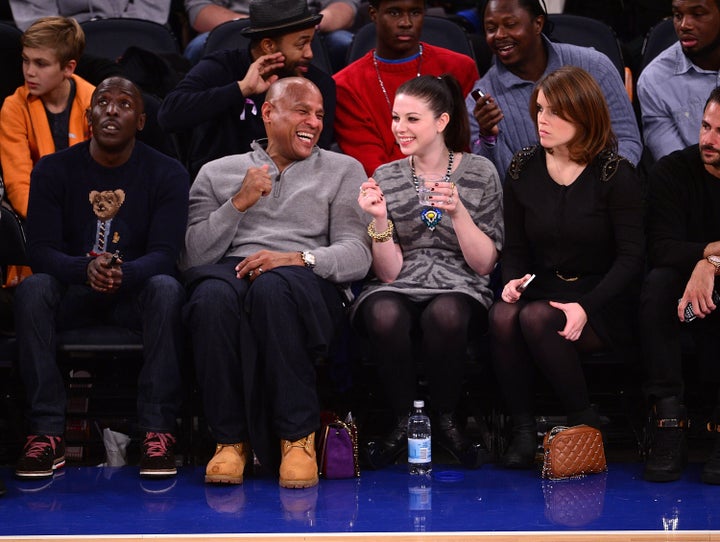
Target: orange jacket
[(25, 137)]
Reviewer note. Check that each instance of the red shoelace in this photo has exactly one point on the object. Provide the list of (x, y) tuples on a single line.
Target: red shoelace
[(157, 444), (34, 447)]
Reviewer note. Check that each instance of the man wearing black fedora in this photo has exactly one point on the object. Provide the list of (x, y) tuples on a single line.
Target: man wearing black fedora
[(220, 99)]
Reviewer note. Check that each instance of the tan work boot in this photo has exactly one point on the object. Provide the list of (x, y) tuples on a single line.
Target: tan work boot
[(228, 464), (299, 465)]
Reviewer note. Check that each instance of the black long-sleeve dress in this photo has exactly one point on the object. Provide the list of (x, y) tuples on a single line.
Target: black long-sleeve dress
[(585, 241)]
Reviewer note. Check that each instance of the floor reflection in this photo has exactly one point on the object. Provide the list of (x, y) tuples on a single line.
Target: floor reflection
[(116, 501)]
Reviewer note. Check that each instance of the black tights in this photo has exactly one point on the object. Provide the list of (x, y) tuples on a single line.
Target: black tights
[(526, 333), (399, 329)]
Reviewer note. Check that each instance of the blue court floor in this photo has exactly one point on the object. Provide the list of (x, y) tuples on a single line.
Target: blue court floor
[(115, 501)]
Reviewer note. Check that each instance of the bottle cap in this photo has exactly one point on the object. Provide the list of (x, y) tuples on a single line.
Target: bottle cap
[(448, 476), (419, 403)]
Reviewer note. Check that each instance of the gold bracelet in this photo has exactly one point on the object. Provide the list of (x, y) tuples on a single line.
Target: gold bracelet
[(380, 237)]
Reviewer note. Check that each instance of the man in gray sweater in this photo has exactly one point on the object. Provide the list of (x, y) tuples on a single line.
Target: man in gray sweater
[(272, 235)]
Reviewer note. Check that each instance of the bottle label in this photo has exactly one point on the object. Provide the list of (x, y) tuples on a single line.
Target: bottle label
[(419, 450)]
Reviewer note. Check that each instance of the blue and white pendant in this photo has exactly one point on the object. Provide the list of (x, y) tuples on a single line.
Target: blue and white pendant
[(431, 217)]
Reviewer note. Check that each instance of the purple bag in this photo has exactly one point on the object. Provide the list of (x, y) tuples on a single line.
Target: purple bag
[(338, 457)]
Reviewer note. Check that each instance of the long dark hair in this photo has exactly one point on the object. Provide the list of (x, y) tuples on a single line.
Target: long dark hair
[(443, 95)]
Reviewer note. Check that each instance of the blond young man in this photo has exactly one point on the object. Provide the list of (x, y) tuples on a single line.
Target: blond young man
[(47, 113)]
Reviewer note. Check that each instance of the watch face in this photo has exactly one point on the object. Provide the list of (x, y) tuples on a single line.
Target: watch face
[(308, 259)]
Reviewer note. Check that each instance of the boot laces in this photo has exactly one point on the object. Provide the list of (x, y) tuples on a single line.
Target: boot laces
[(301, 443), (157, 444), (39, 445)]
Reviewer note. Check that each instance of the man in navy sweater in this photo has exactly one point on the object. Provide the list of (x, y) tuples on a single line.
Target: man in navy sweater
[(106, 220)]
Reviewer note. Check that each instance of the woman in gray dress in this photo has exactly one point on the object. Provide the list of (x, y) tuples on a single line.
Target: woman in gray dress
[(431, 261)]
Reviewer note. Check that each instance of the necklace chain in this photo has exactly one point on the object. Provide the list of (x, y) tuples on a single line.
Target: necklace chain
[(379, 78), (448, 172)]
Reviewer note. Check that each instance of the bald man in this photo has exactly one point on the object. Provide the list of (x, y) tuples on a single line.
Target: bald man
[(105, 226), (272, 235)]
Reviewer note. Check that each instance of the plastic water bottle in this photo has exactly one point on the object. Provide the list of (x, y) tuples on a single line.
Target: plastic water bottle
[(419, 444)]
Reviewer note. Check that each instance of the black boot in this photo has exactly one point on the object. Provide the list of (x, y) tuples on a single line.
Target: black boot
[(587, 416), (447, 434), (667, 456), (523, 444), (711, 471), (381, 453)]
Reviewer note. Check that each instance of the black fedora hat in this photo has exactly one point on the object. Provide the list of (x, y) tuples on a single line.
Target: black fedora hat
[(276, 17)]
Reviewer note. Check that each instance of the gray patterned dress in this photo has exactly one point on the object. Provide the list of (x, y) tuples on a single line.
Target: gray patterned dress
[(432, 260)]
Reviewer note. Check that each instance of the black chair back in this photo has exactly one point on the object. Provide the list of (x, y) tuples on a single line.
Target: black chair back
[(437, 31), (12, 234), (659, 37), (587, 32), (109, 38), (10, 59)]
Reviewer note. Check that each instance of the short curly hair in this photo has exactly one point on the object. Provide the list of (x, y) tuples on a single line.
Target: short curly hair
[(376, 3)]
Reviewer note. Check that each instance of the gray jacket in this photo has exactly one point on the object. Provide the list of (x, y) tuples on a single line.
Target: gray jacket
[(26, 12), (193, 7)]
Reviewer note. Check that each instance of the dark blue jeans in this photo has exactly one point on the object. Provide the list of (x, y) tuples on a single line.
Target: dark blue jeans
[(661, 330), (255, 346), (44, 305)]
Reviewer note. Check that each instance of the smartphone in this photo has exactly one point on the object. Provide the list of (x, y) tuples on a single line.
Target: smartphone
[(525, 284), (689, 313), (477, 94)]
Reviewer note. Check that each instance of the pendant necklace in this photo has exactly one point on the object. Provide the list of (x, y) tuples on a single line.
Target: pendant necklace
[(377, 73), (431, 216)]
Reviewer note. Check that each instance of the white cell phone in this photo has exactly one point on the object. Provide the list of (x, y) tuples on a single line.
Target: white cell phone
[(524, 285)]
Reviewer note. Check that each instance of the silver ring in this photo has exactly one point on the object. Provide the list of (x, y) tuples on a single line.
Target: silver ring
[(259, 270), (251, 273)]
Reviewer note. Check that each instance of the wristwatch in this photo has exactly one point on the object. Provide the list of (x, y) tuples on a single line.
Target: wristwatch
[(715, 260), (308, 259)]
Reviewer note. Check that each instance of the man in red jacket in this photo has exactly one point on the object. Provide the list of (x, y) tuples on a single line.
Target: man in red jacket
[(366, 88)]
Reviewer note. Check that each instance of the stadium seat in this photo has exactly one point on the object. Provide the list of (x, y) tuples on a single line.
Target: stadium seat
[(437, 31), (659, 37), (587, 32), (109, 38), (10, 59)]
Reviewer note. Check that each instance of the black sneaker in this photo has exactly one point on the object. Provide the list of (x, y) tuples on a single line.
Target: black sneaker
[(668, 453), (41, 455), (158, 457), (711, 470)]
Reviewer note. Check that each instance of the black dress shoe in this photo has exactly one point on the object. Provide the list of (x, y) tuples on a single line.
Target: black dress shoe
[(447, 434), (523, 447), (523, 443), (378, 454)]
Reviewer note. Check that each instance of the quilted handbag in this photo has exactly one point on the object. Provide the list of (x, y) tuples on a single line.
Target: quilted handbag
[(573, 451), (338, 449)]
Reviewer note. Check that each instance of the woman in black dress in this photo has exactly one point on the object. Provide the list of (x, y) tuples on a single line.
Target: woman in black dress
[(573, 217)]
